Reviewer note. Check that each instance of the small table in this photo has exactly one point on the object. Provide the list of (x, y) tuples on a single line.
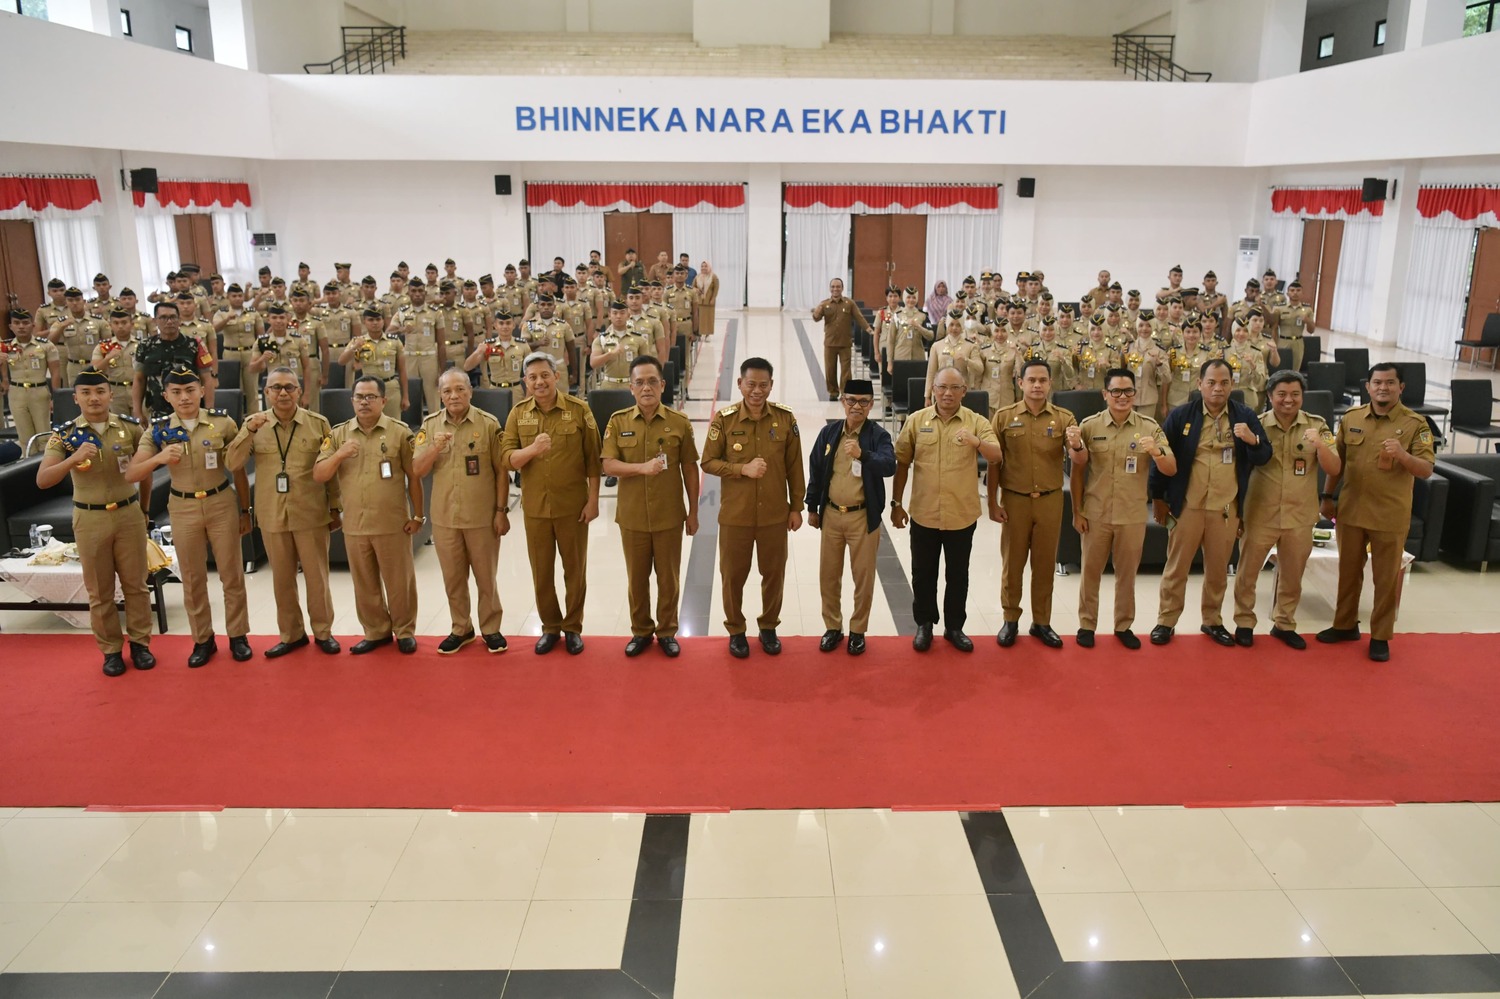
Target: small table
[(60, 588), (1322, 577)]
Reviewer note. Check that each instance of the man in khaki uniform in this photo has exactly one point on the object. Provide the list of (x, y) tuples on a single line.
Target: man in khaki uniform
[(512, 294), (1098, 294), (280, 346), (55, 307), (209, 507), (197, 327), (755, 448), (372, 457), (102, 301), (939, 448), (577, 313), (31, 369), (425, 350), (310, 328), (650, 448), (1384, 447), (294, 511), (1110, 453), (955, 351), (77, 332), (550, 335), (454, 327), (460, 446), (239, 329), (1173, 285), (1294, 320), (338, 322), (616, 349), (647, 324), (552, 440), (368, 299), (379, 355), (347, 289), (1030, 476), (109, 524), (682, 299), (838, 316), (115, 358), (500, 359)]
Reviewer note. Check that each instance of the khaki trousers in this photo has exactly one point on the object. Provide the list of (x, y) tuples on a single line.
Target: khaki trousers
[(1100, 542), (393, 398), (198, 524), (850, 531), (286, 550), (120, 402), (547, 538), (1385, 552), (1214, 531), (836, 367), (1295, 346), (249, 380), (463, 551), (645, 551), (424, 366), (315, 386), (385, 588), (74, 367), (112, 543), (736, 545), (1293, 545), (1030, 531), (31, 408)]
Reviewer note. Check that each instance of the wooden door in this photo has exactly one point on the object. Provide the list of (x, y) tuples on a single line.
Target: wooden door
[(20, 265), (1484, 282), (1312, 253), (1328, 270), (647, 233), (908, 254), (195, 242), (872, 258)]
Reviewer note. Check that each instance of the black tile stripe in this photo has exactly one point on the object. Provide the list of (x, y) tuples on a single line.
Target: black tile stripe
[(814, 365), (894, 583), (1428, 975), (81, 986), (703, 552), (281, 984)]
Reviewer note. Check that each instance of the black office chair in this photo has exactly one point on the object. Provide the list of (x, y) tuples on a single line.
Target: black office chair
[(1473, 410), (1489, 339), (669, 383), (1326, 376), (337, 405), (604, 403), (495, 401), (1082, 403), (335, 375), (412, 414), (902, 375), (229, 375), (1356, 361), (1414, 391), (1312, 350), (978, 401), (1320, 403), (231, 401), (64, 407)]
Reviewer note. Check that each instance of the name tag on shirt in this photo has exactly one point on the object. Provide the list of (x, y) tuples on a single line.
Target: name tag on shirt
[(1299, 466), (210, 459), (385, 469), (1226, 456), (1130, 465)]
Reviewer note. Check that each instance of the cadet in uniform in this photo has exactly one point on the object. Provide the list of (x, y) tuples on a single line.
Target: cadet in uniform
[(30, 372), (1110, 451), (1151, 366), (1247, 361), (77, 332), (754, 447), (550, 335), (115, 358), (425, 351), (847, 468), (1383, 446), (109, 525), (1294, 321), (838, 316), (307, 326), (552, 440), (650, 448), (460, 445), (512, 295), (682, 299), (55, 308), (955, 351), (339, 323), (1030, 474), (101, 303), (379, 355), (998, 379), (209, 506), (239, 329), (646, 324), (1095, 358), (280, 346), (160, 355), (500, 358), (616, 349), (197, 328), (372, 457), (293, 510), (454, 327)]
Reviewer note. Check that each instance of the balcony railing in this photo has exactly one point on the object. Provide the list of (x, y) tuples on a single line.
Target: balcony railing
[(366, 50), (1149, 57)]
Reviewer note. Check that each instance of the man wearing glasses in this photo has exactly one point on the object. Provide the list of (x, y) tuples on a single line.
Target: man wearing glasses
[(845, 497)]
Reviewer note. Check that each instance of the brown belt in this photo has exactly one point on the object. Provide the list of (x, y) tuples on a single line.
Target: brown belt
[(201, 493), (133, 497), (847, 509)]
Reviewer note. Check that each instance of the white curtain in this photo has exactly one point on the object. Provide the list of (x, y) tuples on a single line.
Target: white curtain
[(69, 248), (1354, 287), (960, 245), (723, 239), (157, 236), (817, 251), (232, 246), (1282, 251), (570, 235), (1437, 285)]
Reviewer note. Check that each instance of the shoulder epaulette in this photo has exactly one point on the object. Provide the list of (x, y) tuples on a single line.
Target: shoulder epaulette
[(162, 419), (729, 410), (129, 419), (782, 406), (218, 412)]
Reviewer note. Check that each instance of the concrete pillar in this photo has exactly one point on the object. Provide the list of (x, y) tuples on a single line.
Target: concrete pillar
[(1393, 256), (1281, 38), (764, 226), (98, 16), (119, 246), (798, 24), (233, 28), (1411, 24), (943, 17), (576, 14)]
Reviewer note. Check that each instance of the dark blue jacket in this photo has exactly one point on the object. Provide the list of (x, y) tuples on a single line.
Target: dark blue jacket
[(879, 462), (1182, 427)]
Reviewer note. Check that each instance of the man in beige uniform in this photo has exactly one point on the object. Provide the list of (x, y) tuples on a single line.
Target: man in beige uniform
[(551, 335), (239, 329), (650, 448), (77, 332), (646, 324), (455, 328), (460, 445), (338, 322), (1294, 320), (55, 307), (838, 316), (616, 349), (425, 351), (379, 355), (755, 448), (31, 370), (500, 358), (1384, 446), (310, 328), (372, 457), (209, 507), (682, 299), (281, 346), (115, 358)]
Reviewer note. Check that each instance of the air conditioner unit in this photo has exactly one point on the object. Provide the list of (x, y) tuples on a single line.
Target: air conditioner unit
[(1246, 266), (263, 239)]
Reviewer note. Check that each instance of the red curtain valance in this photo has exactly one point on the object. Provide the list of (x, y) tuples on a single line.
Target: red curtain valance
[(1467, 203), (982, 197), (1322, 201), (68, 193), (197, 193), (639, 197)]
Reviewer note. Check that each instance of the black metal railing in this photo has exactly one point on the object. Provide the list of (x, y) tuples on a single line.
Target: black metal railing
[(366, 50), (1149, 57)]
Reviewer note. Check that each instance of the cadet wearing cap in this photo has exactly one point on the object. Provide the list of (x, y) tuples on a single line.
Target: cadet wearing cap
[(550, 335), (650, 448), (955, 351), (372, 457), (1384, 446), (77, 332), (55, 308), (454, 328), (500, 358), (191, 444), (616, 349), (239, 328), (347, 289), (682, 299), (425, 350), (281, 346), (101, 303), (294, 511), (377, 354), (754, 447), (838, 316), (460, 445), (109, 524), (115, 359), (162, 354), (1294, 320), (30, 371)]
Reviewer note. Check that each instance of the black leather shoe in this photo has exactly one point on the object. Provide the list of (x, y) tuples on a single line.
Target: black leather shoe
[(453, 643), (406, 646), (495, 643), (669, 645), (1127, 638), (1380, 651), (573, 642), (637, 645), (1085, 638), (769, 643), (922, 641), (365, 645), (830, 640), (1008, 633), (1161, 635), (329, 646), (282, 648), (141, 657), (202, 653), (959, 640), (1291, 638), (240, 649), (1044, 634), (856, 644), (739, 647), (1218, 633), (1244, 636), (1329, 636), (547, 642), (114, 664)]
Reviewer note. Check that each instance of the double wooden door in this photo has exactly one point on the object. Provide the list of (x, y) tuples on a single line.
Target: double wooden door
[(888, 250), (195, 243), (20, 266), (1322, 239), (648, 233), (1484, 282)]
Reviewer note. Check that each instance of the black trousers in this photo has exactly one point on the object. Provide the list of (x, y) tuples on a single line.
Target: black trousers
[(927, 544)]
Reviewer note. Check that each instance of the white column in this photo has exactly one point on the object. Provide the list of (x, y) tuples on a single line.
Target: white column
[(943, 17), (1393, 256), (1411, 24), (576, 14), (119, 246), (98, 16), (1281, 38), (233, 26), (765, 230), (798, 24)]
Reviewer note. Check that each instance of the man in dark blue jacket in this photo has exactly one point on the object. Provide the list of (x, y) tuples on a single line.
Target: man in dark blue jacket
[(845, 497), (1216, 442)]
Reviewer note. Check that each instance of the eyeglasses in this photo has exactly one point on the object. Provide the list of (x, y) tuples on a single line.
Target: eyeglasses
[(1124, 393), (293, 388), (858, 403), (365, 397)]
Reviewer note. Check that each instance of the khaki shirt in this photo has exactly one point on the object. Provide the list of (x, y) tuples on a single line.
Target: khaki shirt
[(372, 504), (1116, 477), (378, 358), (556, 483), (839, 319), (844, 487), (241, 330), (204, 333), (1212, 484), (999, 375), (960, 354), (1283, 493), (204, 464), (502, 363), (651, 502), (734, 439), (648, 326), (48, 314), (945, 474), (617, 371), (31, 364), (468, 476), (116, 360), (1095, 358), (80, 336), (1372, 497), (338, 325), (420, 325), (452, 324), (290, 351), (1033, 445), (306, 503), (1292, 320), (1152, 367), (681, 301), (513, 297), (104, 480), (578, 314), (550, 336)]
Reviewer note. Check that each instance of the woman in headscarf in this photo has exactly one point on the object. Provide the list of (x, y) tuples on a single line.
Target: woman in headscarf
[(937, 304), (707, 284)]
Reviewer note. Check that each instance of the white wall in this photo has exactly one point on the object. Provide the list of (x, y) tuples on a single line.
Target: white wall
[(614, 16), (790, 23), (291, 33), (1222, 37), (992, 17), (1353, 30), (154, 22)]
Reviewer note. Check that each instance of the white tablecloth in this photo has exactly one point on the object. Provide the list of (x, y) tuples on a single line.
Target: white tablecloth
[(56, 584)]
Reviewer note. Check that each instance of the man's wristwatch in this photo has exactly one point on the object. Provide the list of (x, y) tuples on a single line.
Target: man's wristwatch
[(1326, 496), (895, 504)]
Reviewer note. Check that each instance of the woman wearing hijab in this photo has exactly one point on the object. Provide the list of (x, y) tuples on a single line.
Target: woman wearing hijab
[(937, 304)]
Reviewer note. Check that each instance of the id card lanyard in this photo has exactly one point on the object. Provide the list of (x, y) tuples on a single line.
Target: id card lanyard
[(284, 481)]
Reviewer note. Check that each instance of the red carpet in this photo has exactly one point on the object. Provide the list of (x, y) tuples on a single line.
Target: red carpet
[(1187, 724)]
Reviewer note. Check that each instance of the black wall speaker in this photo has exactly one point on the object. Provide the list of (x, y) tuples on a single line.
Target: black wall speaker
[(1373, 189), (502, 183), (143, 180), (1026, 187)]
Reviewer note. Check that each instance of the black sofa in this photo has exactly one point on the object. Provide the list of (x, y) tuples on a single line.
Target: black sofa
[(1471, 531)]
